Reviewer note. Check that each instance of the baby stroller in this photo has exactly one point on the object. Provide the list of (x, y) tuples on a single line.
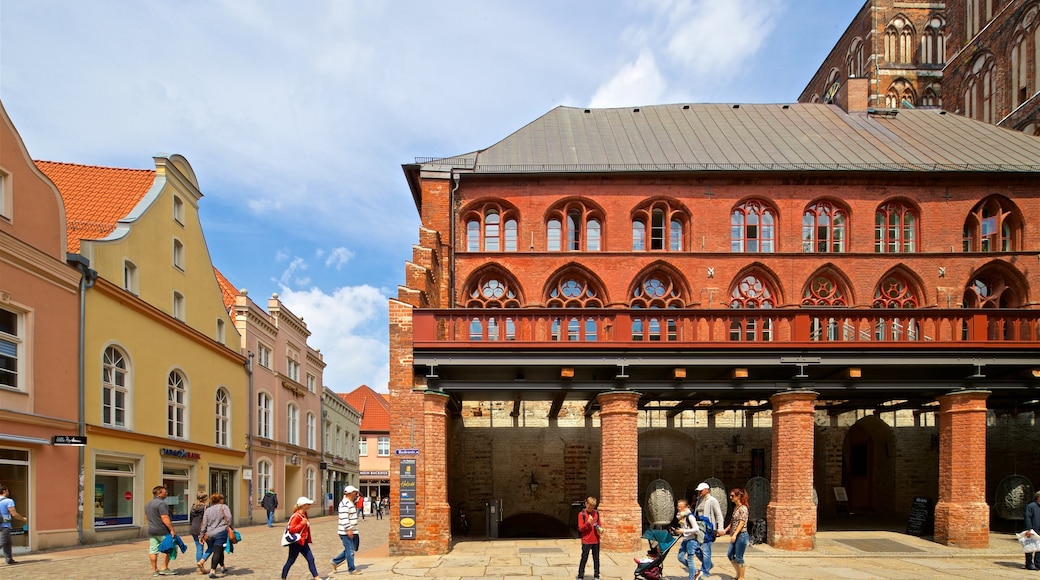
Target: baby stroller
[(652, 566)]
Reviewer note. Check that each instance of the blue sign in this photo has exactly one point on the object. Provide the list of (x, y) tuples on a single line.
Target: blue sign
[(406, 451)]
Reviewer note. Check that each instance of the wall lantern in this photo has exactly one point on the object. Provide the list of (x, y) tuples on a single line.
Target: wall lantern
[(533, 483), (738, 445)]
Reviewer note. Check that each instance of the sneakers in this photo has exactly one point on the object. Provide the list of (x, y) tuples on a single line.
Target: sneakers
[(354, 572), (166, 572)]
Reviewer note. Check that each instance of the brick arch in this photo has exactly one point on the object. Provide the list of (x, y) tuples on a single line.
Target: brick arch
[(914, 284), (818, 296), (1009, 287), (479, 282), (764, 274), (868, 460), (672, 445), (674, 277), (593, 291), (479, 204), (1014, 219)]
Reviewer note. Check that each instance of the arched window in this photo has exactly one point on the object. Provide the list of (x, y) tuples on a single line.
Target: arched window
[(263, 477), (574, 226), (895, 229), (264, 417), (665, 223), (992, 226), (900, 95), (932, 96), (115, 388), (823, 228), (656, 291), (826, 289), (292, 424), (574, 291), (893, 292), (854, 59), (752, 228), (176, 405), (492, 289), (222, 429), (751, 292), (979, 88), (491, 228), (933, 42), (1025, 48)]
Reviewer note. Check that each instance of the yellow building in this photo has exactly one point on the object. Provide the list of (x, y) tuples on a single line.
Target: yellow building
[(166, 387)]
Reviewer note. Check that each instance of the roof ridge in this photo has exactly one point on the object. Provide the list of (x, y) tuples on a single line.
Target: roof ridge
[(93, 166)]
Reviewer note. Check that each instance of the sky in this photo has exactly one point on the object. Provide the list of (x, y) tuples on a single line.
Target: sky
[(297, 115)]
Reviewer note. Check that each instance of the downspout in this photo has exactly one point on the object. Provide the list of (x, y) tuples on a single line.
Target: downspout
[(249, 437), (86, 280), (326, 482), (451, 227)]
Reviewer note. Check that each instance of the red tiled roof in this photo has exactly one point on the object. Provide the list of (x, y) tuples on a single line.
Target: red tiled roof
[(375, 409), (96, 198), (227, 290)]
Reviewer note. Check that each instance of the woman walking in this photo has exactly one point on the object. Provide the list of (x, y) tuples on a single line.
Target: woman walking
[(737, 530), (216, 525), (300, 524), (195, 520)]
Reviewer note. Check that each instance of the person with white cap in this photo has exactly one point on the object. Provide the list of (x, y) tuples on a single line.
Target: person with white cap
[(708, 507), (300, 524), (348, 529)]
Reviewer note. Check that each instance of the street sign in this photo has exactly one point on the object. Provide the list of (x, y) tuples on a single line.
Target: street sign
[(69, 440), (406, 451)]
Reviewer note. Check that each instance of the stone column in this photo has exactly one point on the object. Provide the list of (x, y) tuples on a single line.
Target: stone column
[(433, 513), (962, 514), (791, 513), (619, 471)]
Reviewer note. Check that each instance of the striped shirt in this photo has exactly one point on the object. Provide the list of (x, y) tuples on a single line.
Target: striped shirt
[(347, 516)]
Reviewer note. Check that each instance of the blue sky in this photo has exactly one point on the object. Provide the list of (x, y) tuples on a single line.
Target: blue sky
[(297, 116)]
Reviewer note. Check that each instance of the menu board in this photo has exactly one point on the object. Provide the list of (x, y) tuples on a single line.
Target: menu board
[(922, 518)]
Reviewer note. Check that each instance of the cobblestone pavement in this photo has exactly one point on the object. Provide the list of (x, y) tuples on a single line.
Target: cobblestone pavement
[(868, 555)]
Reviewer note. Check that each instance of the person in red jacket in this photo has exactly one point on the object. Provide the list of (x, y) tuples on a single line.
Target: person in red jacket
[(590, 528), (300, 524)]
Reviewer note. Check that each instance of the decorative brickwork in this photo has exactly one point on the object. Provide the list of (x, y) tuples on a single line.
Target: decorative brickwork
[(619, 464), (962, 514), (791, 512)]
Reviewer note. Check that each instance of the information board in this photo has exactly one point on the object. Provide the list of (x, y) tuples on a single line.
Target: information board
[(406, 499), (922, 518)]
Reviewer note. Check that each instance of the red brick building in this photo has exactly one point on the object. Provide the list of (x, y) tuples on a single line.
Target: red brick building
[(813, 294)]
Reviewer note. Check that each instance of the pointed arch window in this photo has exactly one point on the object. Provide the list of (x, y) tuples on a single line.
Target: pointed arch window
[(933, 42), (491, 228), (979, 89), (895, 229), (659, 226), (823, 228), (574, 292), (752, 228), (894, 292), (990, 289), (751, 292), (493, 289), (824, 289), (574, 227), (854, 59), (992, 226), (656, 291)]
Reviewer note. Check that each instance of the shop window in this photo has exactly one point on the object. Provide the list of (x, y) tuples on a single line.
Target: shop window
[(176, 480), (113, 493)]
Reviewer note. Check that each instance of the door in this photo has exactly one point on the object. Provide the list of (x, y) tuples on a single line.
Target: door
[(14, 473), (220, 481)]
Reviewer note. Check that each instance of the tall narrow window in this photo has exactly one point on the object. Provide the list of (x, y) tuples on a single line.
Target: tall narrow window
[(11, 350), (473, 236), (263, 477), (823, 228), (130, 282), (222, 429), (895, 229), (178, 306), (221, 332), (176, 405), (573, 230), (115, 388), (264, 407), (178, 254), (554, 231), (178, 210), (491, 230), (638, 236), (752, 228), (312, 431), (292, 425), (510, 236)]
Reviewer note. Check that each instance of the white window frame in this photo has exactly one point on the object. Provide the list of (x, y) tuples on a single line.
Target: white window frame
[(363, 446), (383, 446), (13, 347), (110, 390), (178, 254), (6, 205), (131, 473), (263, 355), (179, 307), (176, 405), (221, 331), (264, 469), (336, 448), (312, 433), (264, 418), (312, 482), (131, 278), (222, 418), (292, 424), (311, 382), (178, 210), (292, 365)]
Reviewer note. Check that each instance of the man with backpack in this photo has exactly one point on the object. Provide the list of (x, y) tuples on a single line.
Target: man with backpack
[(708, 516)]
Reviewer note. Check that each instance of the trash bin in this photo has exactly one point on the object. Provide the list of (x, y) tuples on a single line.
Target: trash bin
[(492, 516)]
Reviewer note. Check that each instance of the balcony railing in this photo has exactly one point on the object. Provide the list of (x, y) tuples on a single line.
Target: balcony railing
[(817, 328)]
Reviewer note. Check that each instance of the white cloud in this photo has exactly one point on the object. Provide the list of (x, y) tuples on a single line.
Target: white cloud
[(294, 273), (349, 327), (714, 39), (338, 257), (636, 83)]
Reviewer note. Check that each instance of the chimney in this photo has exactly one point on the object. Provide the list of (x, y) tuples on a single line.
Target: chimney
[(853, 96)]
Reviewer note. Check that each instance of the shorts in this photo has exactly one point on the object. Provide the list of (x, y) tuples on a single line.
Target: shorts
[(153, 544)]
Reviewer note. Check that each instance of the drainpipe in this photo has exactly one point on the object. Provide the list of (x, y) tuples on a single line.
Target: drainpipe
[(86, 280), (249, 437)]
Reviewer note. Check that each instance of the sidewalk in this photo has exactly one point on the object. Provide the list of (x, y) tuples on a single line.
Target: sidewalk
[(847, 554)]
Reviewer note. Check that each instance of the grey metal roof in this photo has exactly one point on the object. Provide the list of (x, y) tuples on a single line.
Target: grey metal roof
[(724, 137)]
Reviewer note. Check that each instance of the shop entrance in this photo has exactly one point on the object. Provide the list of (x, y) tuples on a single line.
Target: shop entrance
[(220, 481), (14, 473)]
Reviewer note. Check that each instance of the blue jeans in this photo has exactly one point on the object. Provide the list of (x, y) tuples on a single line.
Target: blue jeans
[(295, 550), (347, 553), (702, 550), (737, 547), (270, 518), (201, 551)]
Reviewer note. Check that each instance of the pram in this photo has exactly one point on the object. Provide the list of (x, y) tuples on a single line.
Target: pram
[(652, 566)]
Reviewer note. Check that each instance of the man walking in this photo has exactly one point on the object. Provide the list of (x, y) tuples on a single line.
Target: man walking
[(709, 507), (7, 513), (270, 503), (1033, 523), (158, 514), (347, 528)]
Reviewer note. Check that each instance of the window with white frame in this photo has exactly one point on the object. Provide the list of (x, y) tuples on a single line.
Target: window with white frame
[(223, 418), (178, 210), (178, 254), (115, 388), (178, 306), (292, 366), (5, 198), (311, 383), (293, 425), (263, 477), (11, 348), (264, 408), (221, 331), (311, 482), (263, 356), (312, 433), (339, 438), (130, 281), (176, 405), (383, 447), (114, 490), (363, 446)]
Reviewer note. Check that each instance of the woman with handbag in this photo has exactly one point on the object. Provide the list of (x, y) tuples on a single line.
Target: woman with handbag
[(300, 527), (216, 526), (737, 530), (195, 520)]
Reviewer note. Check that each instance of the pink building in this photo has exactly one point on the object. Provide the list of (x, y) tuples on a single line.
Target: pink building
[(373, 441), (39, 350)]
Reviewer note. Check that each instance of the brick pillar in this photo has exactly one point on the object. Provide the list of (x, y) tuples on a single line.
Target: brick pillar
[(619, 471), (962, 514), (433, 514), (791, 513)]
